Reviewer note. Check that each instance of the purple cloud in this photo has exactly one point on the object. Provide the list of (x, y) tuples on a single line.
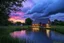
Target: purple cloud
[(47, 8), (58, 16), (20, 11)]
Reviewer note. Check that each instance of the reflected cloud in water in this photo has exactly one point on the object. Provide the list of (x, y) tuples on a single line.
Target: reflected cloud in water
[(36, 37), (39, 36), (18, 34)]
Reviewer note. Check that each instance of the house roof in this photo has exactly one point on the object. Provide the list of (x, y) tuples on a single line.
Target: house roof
[(41, 20)]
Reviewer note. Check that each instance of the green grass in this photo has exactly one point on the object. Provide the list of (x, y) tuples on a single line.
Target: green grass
[(6, 30), (8, 39), (58, 28)]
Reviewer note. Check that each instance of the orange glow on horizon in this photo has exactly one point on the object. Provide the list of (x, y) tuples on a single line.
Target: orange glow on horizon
[(14, 20)]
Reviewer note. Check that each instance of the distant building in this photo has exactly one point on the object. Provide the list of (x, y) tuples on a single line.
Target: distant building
[(40, 23)]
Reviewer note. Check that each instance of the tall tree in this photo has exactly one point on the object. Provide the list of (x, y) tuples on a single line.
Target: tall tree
[(28, 21), (5, 7)]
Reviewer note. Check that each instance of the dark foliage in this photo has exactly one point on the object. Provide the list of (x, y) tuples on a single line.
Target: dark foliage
[(57, 22), (28, 21), (18, 23), (6, 38), (5, 7)]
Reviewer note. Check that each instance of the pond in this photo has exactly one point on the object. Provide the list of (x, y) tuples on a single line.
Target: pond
[(38, 37)]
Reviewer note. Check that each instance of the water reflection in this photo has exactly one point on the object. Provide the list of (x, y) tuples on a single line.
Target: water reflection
[(18, 34), (38, 37), (48, 32), (57, 36)]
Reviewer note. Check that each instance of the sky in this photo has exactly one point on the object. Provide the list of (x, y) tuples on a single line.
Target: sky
[(18, 16), (34, 9)]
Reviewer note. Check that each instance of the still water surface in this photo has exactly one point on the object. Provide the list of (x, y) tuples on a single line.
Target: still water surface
[(38, 37)]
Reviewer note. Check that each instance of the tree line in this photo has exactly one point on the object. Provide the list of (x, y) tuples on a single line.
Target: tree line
[(57, 22), (28, 21)]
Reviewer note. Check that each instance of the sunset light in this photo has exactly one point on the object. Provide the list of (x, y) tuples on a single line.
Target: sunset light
[(31, 21), (14, 20)]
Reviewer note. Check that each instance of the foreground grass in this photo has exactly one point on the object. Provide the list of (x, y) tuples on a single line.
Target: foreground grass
[(58, 28), (6, 30), (8, 39)]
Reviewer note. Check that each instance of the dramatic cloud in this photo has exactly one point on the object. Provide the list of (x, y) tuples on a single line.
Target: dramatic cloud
[(18, 13), (17, 16), (28, 4), (35, 9), (48, 7), (58, 16)]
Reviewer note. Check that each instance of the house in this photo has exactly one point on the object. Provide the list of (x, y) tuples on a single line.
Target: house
[(40, 23)]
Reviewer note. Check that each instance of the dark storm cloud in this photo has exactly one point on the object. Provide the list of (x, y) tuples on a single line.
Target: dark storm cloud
[(48, 7)]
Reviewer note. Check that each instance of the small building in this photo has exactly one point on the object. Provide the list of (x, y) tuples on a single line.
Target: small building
[(40, 23)]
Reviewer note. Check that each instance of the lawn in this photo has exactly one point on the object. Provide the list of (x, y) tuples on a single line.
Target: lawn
[(6, 30), (58, 28)]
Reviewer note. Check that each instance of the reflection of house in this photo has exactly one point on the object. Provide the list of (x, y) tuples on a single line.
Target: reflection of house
[(41, 23)]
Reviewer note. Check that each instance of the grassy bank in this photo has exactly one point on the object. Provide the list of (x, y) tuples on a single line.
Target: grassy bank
[(9, 29), (58, 28), (6, 30)]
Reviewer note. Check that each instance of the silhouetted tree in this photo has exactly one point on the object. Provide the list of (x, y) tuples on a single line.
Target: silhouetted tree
[(61, 23), (28, 21), (5, 7), (57, 22), (18, 23)]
